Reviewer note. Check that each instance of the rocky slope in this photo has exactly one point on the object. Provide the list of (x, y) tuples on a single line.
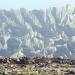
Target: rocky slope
[(49, 32)]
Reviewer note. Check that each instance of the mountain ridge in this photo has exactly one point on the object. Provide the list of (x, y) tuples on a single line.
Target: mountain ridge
[(49, 32)]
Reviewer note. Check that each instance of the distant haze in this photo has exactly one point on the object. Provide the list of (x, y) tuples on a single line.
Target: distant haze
[(33, 4)]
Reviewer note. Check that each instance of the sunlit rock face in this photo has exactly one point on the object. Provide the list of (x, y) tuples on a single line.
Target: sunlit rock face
[(31, 33)]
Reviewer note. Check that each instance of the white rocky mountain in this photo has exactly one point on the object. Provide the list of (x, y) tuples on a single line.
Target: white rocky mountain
[(49, 32)]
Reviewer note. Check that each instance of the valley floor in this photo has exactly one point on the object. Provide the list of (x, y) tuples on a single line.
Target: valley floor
[(35, 69), (37, 66)]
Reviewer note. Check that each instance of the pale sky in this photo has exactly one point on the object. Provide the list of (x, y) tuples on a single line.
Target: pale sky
[(33, 4)]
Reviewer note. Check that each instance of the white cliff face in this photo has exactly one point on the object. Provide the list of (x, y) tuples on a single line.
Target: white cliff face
[(49, 32), (18, 54)]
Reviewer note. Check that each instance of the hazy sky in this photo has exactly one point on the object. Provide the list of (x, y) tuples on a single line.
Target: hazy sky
[(32, 4)]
